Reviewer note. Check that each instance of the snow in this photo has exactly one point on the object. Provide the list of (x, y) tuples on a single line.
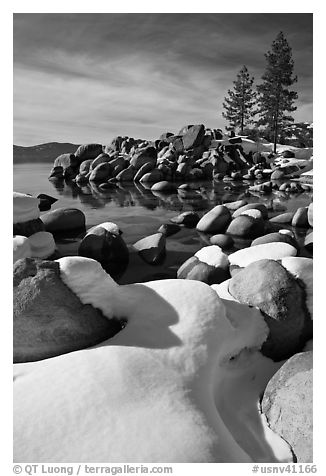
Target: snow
[(276, 251), (108, 226), (25, 207), (213, 256), (180, 383)]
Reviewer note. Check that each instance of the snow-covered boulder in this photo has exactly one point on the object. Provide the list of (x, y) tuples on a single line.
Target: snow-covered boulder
[(163, 389)]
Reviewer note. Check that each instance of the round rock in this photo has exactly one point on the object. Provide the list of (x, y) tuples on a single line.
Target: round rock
[(215, 221), (63, 219), (288, 405), (49, 319)]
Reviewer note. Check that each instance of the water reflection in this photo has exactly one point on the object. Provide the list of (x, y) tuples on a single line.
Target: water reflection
[(198, 196)]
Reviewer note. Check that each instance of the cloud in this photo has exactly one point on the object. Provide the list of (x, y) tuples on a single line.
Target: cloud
[(83, 78)]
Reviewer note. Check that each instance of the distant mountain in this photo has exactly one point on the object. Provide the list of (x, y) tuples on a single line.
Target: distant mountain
[(43, 152)]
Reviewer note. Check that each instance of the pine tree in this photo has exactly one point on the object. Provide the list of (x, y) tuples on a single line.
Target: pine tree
[(240, 102), (274, 97)]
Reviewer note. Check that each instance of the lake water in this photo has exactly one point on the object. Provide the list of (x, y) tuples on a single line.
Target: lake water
[(140, 212)]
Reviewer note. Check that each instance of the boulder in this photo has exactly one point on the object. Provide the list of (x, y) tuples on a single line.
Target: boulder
[(193, 137), (188, 219), (126, 175), (45, 202), (267, 285), (25, 208), (100, 159), (42, 245), (209, 265), (159, 368), (254, 213), (144, 156), (148, 167), (63, 219), (302, 270), (225, 242), (28, 228), (308, 241), (21, 247), (277, 174), (275, 251), (163, 186), (49, 319), (232, 206), (151, 248), (310, 214), (283, 218), (104, 244), (249, 206), (246, 227), (215, 221), (88, 151), (101, 172), (288, 405), (169, 229), (300, 217), (275, 238), (85, 166), (153, 176)]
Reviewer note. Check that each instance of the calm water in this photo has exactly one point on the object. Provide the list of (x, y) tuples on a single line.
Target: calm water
[(140, 212)]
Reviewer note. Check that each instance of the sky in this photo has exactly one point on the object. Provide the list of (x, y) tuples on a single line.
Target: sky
[(84, 77)]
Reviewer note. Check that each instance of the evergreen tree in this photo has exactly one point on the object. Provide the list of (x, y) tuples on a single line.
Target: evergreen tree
[(274, 97), (240, 102)]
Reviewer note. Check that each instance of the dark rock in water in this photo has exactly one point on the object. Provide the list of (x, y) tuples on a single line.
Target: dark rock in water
[(108, 186), (100, 159), (194, 136), (154, 176), (49, 319), (45, 202), (29, 227), (188, 219), (236, 175), (288, 405), (275, 237), (283, 218), (267, 285), (223, 241), (152, 248), (101, 172), (63, 219), (88, 151), (169, 229), (144, 156), (57, 173), (126, 175), (288, 154), (85, 166), (246, 227), (310, 214), (107, 248), (300, 218), (197, 270), (277, 174), (215, 221), (308, 241), (249, 206), (265, 187), (218, 176), (82, 179), (164, 186), (144, 169)]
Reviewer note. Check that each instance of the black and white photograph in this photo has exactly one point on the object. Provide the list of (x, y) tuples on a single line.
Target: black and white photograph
[(162, 241)]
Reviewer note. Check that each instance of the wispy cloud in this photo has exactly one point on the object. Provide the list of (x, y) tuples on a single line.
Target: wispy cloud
[(81, 78)]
